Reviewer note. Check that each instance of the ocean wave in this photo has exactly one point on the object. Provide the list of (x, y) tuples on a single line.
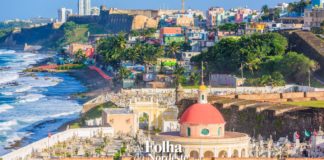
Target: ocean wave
[(23, 89), (64, 114), (31, 82), (7, 93), (30, 98), (7, 51), (7, 125), (6, 77), (5, 107), (15, 137)]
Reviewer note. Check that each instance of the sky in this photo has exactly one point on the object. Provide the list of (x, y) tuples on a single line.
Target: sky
[(10, 9)]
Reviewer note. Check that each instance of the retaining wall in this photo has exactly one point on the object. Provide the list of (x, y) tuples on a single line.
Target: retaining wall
[(25, 152)]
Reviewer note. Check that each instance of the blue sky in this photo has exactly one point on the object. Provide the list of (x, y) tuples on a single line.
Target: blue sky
[(10, 9)]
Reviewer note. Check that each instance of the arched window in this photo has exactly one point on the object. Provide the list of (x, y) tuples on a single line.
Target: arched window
[(219, 131), (205, 132), (202, 97), (188, 132)]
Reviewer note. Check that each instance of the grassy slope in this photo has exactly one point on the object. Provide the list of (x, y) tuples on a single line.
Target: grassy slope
[(92, 114), (317, 104)]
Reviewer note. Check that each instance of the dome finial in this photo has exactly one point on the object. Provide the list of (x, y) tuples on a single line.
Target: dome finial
[(202, 86)]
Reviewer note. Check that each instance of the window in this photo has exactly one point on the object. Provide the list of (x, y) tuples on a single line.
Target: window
[(188, 132), (219, 131), (205, 132), (202, 97)]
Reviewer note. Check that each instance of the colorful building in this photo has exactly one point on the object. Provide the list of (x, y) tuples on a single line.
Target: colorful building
[(185, 21), (168, 39), (87, 49), (317, 3), (170, 31), (215, 16)]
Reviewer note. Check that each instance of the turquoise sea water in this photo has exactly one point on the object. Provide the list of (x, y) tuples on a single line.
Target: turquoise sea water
[(33, 105)]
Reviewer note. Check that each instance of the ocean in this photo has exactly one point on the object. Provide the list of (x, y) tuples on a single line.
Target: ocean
[(32, 105)]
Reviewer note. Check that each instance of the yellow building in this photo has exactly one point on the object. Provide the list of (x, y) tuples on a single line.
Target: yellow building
[(258, 27), (122, 120), (185, 21)]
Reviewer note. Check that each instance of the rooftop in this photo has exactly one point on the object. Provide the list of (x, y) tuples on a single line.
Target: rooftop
[(118, 111)]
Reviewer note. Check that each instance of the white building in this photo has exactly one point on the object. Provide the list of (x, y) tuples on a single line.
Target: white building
[(95, 11), (84, 7), (63, 14), (313, 17)]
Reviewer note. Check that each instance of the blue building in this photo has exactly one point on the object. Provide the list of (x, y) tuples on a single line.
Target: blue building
[(317, 3)]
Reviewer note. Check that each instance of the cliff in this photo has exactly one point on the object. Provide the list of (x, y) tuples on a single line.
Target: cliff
[(42, 36)]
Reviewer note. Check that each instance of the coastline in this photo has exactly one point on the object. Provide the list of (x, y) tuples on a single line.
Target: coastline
[(95, 85)]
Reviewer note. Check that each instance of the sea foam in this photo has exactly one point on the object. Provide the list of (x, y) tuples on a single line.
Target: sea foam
[(30, 98), (5, 107)]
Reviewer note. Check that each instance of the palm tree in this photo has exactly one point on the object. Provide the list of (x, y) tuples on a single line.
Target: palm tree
[(112, 49), (173, 49), (123, 73), (179, 74), (150, 54), (194, 78), (134, 53), (265, 9)]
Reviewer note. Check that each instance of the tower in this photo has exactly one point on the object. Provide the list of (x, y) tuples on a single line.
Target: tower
[(87, 7), (183, 7), (202, 93), (81, 7), (63, 14), (84, 7)]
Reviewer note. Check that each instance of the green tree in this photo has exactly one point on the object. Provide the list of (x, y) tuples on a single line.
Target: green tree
[(79, 56), (296, 67), (253, 52), (112, 49), (150, 54), (123, 73), (194, 78), (173, 49), (134, 53), (179, 75)]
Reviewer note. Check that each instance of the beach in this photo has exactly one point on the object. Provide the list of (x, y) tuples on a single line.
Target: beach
[(33, 105)]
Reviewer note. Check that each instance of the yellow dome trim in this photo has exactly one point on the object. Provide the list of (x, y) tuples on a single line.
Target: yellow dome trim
[(202, 88)]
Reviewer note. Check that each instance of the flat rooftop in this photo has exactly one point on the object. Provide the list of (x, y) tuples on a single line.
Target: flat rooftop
[(118, 111)]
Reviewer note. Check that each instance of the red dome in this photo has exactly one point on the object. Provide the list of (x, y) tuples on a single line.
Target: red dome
[(202, 114)]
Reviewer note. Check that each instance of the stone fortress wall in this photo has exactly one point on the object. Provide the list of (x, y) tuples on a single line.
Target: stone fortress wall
[(116, 20)]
